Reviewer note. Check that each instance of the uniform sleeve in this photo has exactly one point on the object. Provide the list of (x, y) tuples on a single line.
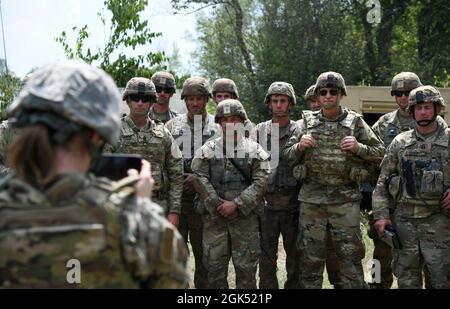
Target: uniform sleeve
[(370, 145), (203, 186), (290, 151), (154, 252), (377, 128), (381, 196), (251, 197), (254, 133), (174, 165)]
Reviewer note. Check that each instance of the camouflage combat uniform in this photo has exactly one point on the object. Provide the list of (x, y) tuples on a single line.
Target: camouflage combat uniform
[(421, 224), (155, 143), (218, 178), (280, 216), (332, 263), (170, 114), (190, 220), (190, 136), (78, 223), (330, 194), (120, 242), (282, 211), (387, 128)]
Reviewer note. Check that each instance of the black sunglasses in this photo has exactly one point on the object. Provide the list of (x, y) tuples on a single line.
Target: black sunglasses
[(399, 94), (165, 89), (332, 92), (140, 97)]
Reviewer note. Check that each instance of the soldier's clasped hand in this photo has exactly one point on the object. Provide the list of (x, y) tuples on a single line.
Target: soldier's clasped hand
[(349, 143), (227, 209), (307, 141)]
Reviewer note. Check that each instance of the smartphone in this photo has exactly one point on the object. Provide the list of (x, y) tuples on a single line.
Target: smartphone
[(116, 166)]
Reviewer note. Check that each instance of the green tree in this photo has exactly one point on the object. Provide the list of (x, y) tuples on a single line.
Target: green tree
[(9, 88), (433, 27), (225, 39), (127, 31)]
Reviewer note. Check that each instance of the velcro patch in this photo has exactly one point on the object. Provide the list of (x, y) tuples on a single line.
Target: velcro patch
[(227, 109)]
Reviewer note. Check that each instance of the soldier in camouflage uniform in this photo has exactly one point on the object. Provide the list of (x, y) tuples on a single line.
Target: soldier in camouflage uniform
[(231, 177), (165, 88), (332, 262), (416, 173), (54, 213), (281, 214), (191, 131), (225, 88), (332, 145), (387, 127), (311, 99), (141, 135)]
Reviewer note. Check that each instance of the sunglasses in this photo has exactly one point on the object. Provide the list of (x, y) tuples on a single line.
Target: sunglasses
[(399, 94), (140, 97), (332, 92), (165, 89)]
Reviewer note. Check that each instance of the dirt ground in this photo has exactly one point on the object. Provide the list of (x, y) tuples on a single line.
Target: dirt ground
[(281, 271)]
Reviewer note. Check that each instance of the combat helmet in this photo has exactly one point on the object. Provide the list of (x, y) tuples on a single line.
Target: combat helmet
[(195, 86), (67, 96), (310, 93), (331, 80), (230, 107), (225, 85), (25, 80), (425, 94), (281, 88), (405, 81), (164, 80), (140, 85)]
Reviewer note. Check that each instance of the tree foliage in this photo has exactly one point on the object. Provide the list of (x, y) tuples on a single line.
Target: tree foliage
[(368, 41), (9, 88), (127, 32)]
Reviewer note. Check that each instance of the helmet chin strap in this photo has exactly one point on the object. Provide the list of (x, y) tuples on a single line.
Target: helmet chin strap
[(424, 123)]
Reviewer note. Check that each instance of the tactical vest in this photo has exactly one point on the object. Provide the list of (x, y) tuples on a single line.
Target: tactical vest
[(226, 179), (149, 144), (162, 117), (39, 238), (326, 163), (281, 179), (181, 125), (393, 128), (425, 173)]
